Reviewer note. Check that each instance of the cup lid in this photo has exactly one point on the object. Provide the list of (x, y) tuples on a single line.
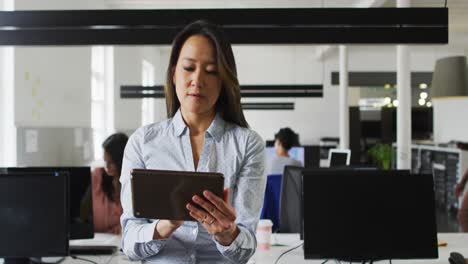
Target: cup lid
[(265, 222)]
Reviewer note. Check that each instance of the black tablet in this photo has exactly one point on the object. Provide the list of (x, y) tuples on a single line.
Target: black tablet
[(162, 194)]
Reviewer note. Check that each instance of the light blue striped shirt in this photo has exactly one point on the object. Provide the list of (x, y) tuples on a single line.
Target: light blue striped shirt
[(236, 152)]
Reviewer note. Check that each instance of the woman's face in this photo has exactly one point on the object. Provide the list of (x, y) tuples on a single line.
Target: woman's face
[(196, 77), (111, 168)]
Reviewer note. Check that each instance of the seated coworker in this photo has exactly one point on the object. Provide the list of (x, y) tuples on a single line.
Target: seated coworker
[(205, 131), (106, 186), (285, 139)]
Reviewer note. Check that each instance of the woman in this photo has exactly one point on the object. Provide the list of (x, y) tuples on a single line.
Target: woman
[(459, 189), (206, 131), (285, 139), (106, 187)]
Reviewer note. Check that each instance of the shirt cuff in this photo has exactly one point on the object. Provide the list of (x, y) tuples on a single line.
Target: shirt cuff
[(155, 245), (236, 245), (147, 232)]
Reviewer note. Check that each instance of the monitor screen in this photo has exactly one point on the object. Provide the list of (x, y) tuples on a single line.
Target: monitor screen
[(362, 215), (81, 205), (33, 215), (338, 159), (296, 153)]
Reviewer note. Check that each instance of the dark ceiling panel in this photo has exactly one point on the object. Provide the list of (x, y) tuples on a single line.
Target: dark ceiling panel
[(228, 17), (242, 26)]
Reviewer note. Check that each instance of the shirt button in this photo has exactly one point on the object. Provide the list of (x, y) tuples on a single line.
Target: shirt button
[(194, 232)]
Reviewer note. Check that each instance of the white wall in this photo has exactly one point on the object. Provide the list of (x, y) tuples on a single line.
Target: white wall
[(52, 89), (128, 71), (450, 122), (53, 86)]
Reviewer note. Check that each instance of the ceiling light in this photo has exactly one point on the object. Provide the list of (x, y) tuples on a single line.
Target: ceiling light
[(395, 103), (421, 101), (423, 95), (422, 86), (387, 100), (429, 104)]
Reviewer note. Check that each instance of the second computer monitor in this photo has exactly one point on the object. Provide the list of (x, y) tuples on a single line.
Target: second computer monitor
[(339, 157), (33, 215), (364, 215), (81, 204)]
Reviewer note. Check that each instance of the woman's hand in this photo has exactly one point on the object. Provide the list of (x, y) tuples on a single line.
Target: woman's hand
[(216, 215)]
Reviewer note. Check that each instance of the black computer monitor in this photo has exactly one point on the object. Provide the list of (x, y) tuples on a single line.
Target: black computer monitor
[(291, 202), (359, 215), (81, 205), (33, 215), (311, 156)]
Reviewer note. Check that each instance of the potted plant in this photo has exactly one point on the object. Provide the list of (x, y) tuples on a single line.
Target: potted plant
[(382, 155)]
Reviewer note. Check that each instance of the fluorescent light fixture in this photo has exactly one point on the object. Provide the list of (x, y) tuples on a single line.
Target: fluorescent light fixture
[(387, 100), (423, 95)]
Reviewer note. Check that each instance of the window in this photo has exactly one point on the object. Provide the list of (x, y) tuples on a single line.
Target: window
[(147, 106), (102, 96)]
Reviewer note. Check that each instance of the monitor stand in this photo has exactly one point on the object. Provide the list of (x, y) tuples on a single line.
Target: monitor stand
[(16, 261), (92, 249), (32, 260), (370, 261)]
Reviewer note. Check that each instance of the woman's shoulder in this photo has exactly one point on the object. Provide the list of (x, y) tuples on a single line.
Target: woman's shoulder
[(148, 132), (243, 135)]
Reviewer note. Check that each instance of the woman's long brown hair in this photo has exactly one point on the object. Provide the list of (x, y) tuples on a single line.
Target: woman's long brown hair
[(229, 101)]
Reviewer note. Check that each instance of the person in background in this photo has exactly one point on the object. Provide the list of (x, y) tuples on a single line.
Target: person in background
[(285, 139), (205, 131), (106, 186), (459, 188)]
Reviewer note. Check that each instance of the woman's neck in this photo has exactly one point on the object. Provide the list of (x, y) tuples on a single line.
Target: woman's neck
[(198, 123)]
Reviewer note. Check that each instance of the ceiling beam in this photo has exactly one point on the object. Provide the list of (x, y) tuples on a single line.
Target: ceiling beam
[(242, 26)]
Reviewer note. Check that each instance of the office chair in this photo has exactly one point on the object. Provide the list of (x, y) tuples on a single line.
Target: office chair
[(291, 200)]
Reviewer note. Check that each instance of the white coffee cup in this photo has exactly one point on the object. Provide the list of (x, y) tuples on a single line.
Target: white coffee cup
[(263, 235)]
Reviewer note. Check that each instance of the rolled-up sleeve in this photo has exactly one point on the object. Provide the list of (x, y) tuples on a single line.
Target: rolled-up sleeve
[(137, 233), (247, 199)]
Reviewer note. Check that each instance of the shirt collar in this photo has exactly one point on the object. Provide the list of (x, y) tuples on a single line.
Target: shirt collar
[(216, 129), (179, 124)]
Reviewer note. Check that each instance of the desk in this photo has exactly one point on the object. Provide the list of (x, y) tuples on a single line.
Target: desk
[(456, 242)]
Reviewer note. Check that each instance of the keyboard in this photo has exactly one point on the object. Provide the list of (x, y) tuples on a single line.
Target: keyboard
[(92, 250)]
